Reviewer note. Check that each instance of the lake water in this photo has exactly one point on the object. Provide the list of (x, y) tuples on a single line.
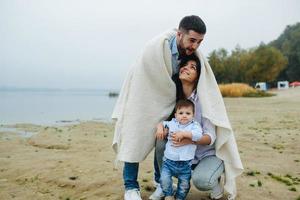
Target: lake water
[(54, 106)]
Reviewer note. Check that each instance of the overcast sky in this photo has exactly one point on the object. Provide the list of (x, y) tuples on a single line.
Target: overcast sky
[(92, 43)]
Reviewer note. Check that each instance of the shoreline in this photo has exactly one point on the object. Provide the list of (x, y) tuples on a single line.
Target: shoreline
[(55, 123)]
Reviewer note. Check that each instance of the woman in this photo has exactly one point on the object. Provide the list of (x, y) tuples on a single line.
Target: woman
[(207, 167)]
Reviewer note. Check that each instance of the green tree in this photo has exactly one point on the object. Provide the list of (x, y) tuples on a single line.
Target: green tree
[(217, 60), (237, 63), (265, 64), (289, 44)]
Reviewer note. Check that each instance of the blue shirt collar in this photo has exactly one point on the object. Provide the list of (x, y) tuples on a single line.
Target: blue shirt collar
[(174, 49)]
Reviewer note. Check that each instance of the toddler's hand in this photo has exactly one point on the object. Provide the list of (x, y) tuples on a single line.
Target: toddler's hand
[(178, 136)]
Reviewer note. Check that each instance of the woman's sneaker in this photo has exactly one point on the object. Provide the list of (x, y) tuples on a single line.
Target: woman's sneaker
[(133, 194), (217, 192), (157, 194)]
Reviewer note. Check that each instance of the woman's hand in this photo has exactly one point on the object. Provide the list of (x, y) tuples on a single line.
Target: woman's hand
[(178, 136)]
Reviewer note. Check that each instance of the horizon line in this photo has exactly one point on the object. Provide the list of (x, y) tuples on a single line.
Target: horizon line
[(53, 89)]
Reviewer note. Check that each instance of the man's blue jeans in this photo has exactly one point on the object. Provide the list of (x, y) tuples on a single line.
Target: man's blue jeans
[(156, 170), (180, 170), (130, 175)]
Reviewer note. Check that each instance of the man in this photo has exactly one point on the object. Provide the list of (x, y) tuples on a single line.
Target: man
[(184, 41), (189, 36)]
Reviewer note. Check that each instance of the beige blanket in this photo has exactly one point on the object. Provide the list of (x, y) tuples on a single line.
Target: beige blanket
[(148, 97)]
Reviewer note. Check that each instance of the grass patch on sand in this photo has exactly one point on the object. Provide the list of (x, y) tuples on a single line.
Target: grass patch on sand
[(287, 179), (241, 90), (252, 173), (259, 183), (258, 93), (293, 189), (278, 147), (256, 183)]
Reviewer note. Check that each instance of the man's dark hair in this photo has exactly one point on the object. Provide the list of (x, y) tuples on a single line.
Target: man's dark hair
[(194, 23), (185, 103)]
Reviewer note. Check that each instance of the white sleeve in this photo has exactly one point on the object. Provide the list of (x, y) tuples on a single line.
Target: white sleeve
[(196, 132), (209, 129)]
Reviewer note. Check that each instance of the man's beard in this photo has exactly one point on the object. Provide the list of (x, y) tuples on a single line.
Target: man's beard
[(182, 51)]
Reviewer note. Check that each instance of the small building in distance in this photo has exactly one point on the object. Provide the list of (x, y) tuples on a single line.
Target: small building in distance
[(261, 86), (282, 85)]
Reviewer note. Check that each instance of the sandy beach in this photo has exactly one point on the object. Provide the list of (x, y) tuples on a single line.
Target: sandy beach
[(77, 162)]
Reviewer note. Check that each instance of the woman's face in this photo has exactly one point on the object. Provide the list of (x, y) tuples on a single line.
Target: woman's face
[(188, 72)]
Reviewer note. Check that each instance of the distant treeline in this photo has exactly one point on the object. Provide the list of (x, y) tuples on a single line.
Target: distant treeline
[(276, 61)]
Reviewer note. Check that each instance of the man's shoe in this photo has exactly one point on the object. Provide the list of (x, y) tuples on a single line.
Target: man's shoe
[(217, 192), (157, 194), (133, 194)]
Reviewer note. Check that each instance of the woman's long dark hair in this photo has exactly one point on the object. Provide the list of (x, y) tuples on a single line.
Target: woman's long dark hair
[(177, 81)]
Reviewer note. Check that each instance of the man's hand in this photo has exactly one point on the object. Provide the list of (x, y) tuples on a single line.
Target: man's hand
[(160, 132)]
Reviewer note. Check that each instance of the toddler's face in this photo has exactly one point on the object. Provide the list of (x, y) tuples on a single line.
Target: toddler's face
[(184, 114)]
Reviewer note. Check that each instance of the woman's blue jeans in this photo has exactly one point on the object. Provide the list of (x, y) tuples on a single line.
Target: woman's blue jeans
[(207, 172), (130, 175)]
